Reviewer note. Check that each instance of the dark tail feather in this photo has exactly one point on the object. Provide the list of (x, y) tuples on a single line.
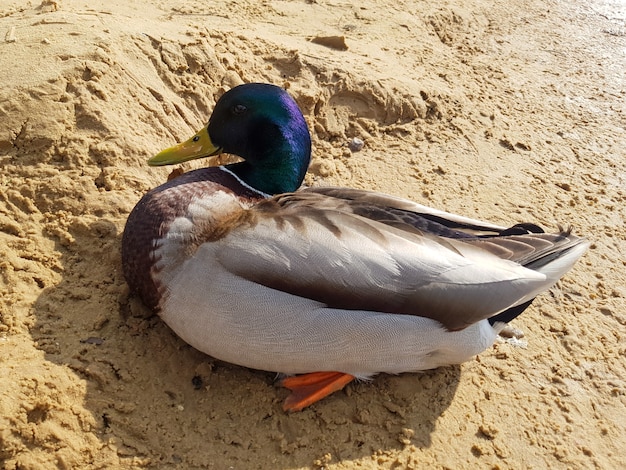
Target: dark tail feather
[(510, 313)]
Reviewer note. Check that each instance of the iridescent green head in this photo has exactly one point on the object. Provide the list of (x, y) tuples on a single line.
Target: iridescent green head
[(263, 125)]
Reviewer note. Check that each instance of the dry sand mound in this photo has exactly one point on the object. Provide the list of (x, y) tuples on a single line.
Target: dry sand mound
[(503, 112)]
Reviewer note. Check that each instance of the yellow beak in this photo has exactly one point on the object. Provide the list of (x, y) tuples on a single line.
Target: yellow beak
[(198, 146)]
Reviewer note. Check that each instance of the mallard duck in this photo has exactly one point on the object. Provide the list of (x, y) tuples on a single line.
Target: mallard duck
[(329, 283)]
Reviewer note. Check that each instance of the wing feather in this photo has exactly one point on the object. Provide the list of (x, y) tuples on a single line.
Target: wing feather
[(404, 213), (316, 246)]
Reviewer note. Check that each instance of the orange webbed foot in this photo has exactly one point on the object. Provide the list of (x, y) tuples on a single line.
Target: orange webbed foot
[(306, 389)]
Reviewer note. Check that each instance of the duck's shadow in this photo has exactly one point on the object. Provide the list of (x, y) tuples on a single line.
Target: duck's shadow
[(155, 398)]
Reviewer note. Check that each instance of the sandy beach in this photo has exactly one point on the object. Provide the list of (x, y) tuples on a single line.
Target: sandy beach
[(502, 111)]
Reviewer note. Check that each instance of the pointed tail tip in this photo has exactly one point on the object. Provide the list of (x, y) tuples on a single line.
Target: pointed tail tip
[(554, 270), (565, 260)]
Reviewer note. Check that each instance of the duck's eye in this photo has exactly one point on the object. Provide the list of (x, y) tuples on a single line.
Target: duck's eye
[(239, 109), (196, 138)]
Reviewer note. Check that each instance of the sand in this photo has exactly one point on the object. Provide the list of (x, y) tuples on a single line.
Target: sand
[(505, 111)]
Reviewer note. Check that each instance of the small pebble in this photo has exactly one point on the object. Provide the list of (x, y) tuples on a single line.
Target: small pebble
[(333, 42), (511, 332), (356, 144), (92, 340), (10, 37)]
